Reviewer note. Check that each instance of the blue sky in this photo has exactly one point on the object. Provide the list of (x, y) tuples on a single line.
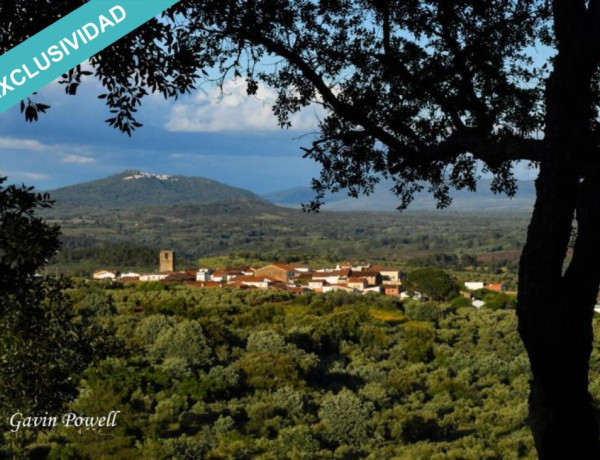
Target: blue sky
[(227, 137)]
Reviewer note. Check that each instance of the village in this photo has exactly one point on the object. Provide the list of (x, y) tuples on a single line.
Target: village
[(353, 277)]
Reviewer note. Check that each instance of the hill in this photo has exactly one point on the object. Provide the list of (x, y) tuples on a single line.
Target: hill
[(384, 200), (131, 189), (123, 220)]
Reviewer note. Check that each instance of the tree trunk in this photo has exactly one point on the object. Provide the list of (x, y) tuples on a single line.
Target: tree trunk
[(555, 313), (555, 307)]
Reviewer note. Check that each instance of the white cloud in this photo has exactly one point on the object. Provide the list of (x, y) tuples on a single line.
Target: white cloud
[(36, 176), (234, 110), (67, 153), (79, 159), (12, 143)]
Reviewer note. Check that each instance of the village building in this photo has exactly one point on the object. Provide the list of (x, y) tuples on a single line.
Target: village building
[(224, 275), (260, 282), (389, 275), (301, 268), (181, 277), (242, 271), (105, 274), (129, 279), (373, 278), (153, 276), (393, 290), (474, 285), (206, 284), (167, 261), (357, 283), (317, 285), (219, 276), (332, 276), (499, 287), (355, 266), (203, 274), (478, 303), (280, 272)]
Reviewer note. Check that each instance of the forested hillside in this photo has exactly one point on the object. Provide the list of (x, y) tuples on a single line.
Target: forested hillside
[(215, 374), (134, 188), (121, 221)]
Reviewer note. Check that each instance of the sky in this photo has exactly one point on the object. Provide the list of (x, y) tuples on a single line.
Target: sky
[(228, 137)]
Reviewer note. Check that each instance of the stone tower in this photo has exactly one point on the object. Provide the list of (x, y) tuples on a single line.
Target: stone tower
[(167, 260)]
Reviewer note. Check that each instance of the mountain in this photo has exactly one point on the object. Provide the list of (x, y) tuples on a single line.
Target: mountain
[(135, 189), (131, 189), (105, 221), (384, 200)]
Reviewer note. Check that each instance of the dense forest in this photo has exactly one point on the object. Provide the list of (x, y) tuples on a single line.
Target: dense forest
[(221, 373)]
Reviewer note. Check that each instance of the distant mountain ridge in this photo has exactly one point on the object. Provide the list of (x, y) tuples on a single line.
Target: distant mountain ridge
[(134, 188), (384, 200), (137, 189)]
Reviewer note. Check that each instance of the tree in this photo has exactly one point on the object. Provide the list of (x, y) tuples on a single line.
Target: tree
[(418, 92), (40, 347), (346, 418), (434, 282)]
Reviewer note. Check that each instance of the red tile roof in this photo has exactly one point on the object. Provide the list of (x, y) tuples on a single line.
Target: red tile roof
[(356, 279), (367, 273), (208, 284), (378, 268), (344, 272)]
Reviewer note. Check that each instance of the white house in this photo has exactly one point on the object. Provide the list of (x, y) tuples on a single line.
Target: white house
[(105, 274), (203, 274), (220, 275), (255, 281), (389, 275), (317, 284), (301, 268), (129, 275), (474, 285), (153, 276), (355, 266), (478, 303), (332, 276)]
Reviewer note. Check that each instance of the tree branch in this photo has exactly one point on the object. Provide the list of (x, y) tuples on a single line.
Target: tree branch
[(349, 112)]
